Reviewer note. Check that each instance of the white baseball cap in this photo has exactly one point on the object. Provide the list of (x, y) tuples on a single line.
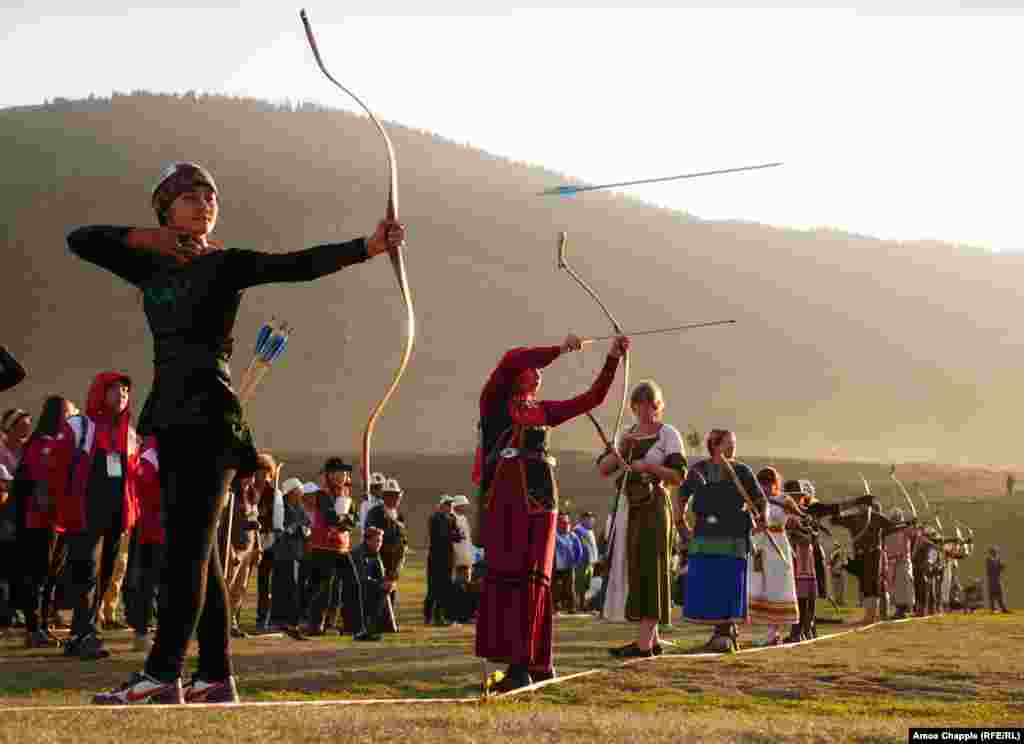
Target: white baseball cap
[(391, 486), (460, 500)]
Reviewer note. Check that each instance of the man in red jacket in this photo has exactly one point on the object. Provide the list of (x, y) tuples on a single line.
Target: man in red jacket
[(94, 463)]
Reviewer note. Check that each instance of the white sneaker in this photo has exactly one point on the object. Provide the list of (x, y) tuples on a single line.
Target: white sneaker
[(200, 690), (141, 688)]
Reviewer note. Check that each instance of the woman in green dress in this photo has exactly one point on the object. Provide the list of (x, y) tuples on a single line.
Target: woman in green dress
[(652, 453)]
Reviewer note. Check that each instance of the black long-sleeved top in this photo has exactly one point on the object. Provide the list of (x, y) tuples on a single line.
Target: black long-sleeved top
[(191, 311), (11, 373)]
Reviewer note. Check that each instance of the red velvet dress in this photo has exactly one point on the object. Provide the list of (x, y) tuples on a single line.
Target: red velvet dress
[(514, 624)]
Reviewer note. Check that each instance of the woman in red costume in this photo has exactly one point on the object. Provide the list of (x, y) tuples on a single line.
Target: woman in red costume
[(515, 474)]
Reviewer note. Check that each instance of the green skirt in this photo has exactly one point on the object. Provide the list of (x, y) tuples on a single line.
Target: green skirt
[(649, 545)]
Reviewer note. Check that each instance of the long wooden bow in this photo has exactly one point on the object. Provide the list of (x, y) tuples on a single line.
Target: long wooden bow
[(563, 239), (397, 262)]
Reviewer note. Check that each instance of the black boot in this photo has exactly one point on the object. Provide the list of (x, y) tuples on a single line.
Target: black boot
[(517, 676)]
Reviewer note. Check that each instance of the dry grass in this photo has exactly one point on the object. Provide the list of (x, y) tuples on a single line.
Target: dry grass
[(868, 686)]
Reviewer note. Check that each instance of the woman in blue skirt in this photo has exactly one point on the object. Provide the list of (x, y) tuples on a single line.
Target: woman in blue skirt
[(716, 582)]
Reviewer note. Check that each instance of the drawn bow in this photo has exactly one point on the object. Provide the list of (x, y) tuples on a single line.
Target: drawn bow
[(397, 261), (563, 239)]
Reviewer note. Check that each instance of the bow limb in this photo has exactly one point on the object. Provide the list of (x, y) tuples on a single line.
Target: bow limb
[(563, 239), (906, 495), (600, 431), (755, 514), (867, 524), (396, 255)]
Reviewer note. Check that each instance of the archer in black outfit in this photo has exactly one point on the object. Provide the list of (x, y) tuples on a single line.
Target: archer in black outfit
[(192, 290)]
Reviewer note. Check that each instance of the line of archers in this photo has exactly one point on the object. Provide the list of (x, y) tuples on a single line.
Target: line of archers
[(475, 699)]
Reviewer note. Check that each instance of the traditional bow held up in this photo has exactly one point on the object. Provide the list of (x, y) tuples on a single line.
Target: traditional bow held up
[(563, 239), (397, 262)]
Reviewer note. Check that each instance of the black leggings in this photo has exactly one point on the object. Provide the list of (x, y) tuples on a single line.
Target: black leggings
[(37, 547), (194, 480)]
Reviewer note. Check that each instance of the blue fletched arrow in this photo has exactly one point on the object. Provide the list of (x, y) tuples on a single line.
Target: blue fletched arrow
[(263, 337), (275, 343), (280, 350)]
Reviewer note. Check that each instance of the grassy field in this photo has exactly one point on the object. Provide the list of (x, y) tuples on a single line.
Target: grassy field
[(869, 686)]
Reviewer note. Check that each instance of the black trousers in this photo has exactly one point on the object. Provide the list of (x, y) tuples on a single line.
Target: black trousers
[(194, 480), (37, 546), (439, 587), (91, 556), (334, 575), (287, 607), (264, 579), (150, 565)]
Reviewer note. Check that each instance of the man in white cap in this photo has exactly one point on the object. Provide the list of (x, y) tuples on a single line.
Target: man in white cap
[(442, 530), (389, 520), (377, 482)]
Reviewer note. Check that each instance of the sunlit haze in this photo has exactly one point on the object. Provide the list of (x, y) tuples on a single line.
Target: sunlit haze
[(899, 126)]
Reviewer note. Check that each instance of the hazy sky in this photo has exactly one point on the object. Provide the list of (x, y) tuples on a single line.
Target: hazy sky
[(892, 121)]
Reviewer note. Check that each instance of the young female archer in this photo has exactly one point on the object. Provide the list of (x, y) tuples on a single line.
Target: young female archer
[(192, 288)]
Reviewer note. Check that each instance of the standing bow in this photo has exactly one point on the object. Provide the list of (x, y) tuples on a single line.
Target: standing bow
[(397, 262)]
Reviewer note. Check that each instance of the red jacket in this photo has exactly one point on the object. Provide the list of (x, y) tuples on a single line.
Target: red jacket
[(71, 462), (37, 504), (147, 490), (330, 530)]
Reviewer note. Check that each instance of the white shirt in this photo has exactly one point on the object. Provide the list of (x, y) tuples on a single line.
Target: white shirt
[(670, 442)]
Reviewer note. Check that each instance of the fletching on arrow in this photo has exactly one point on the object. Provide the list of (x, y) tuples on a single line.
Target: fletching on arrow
[(271, 341), (264, 336), (565, 190)]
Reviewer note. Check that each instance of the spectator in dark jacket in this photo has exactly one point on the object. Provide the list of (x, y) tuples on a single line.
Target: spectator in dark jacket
[(391, 522), (289, 549), (374, 586), (994, 567), (440, 562)]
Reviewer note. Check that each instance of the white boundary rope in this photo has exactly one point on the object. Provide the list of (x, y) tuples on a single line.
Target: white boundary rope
[(475, 699)]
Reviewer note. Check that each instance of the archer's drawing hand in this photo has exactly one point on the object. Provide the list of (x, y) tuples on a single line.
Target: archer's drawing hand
[(166, 241), (572, 343)]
